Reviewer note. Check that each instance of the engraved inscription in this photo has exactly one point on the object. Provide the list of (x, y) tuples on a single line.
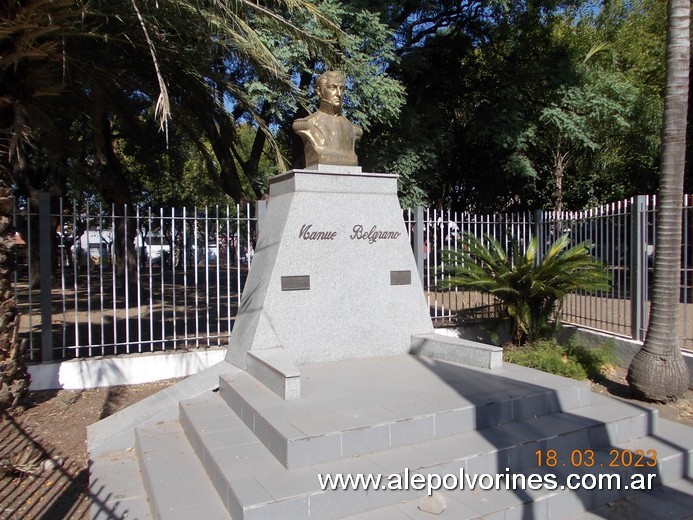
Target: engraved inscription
[(307, 233), (373, 235)]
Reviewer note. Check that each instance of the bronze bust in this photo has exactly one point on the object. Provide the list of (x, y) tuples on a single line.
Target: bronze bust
[(328, 137)]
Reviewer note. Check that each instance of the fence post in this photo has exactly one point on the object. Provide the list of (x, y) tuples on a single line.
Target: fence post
[(638, 265), (539, 234), (260, 210), (45, 276), (419, 241)]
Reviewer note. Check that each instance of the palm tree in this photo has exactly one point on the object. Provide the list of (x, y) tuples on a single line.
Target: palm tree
[(658, 372), (65, 63), (14, 378), (29, 73), (527, 289)]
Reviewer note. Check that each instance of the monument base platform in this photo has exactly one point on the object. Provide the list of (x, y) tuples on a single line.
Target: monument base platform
[(240, 451)]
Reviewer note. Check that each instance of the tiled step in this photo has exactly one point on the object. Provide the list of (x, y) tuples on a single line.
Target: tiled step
[(670, 493), (177, 486), (673, 444), (116, 489), (673, 501), (255, 485), (363, 406)]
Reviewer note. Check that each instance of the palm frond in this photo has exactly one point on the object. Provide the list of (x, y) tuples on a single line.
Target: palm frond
[(527, 289)]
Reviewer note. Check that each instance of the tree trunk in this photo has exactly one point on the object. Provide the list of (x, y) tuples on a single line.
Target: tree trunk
[(108, 177), (560, 161), (14, 377), (658, 372)]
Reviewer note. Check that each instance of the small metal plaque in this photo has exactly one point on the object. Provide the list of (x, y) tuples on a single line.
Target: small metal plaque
[(400, 277), (296, 283)]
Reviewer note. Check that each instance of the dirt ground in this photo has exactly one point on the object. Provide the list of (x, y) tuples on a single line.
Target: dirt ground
[(43, 455), (43, 449), (616, 386)]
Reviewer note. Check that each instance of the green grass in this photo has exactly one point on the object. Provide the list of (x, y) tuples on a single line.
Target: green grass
[(571, 360)]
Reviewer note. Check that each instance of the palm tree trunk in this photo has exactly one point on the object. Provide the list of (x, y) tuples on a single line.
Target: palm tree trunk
[(14, 377), (658, 372)]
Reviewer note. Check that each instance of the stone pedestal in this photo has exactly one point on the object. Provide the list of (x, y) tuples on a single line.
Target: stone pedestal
[(333, 277)]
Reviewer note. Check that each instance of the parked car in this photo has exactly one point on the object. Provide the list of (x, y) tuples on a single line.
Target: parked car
[(94, 247), (158, 250)]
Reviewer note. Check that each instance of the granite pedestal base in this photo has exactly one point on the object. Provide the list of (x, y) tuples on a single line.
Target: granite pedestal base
[(333, 278)]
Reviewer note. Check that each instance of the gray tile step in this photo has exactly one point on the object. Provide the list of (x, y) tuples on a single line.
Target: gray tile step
[(257, 486), (357, 407), (672, 499), (176, 483), (115, 486), (671, 502), (673, 445)]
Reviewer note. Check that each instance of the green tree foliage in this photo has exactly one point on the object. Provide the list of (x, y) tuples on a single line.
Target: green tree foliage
[(518, 105), (137, 86), (527, 286), (503, 99)]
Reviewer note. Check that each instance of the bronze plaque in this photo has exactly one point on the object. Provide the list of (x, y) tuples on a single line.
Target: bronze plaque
[(296, 283), (400, 277)]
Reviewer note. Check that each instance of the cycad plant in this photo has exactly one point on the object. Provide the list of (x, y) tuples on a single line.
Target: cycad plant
[(527, 288)]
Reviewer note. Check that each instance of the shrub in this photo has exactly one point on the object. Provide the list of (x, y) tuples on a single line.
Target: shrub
[(570, 360), (548, 356), (593, 360), (526, 287)]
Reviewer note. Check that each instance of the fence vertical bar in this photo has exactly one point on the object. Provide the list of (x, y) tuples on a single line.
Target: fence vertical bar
[(684, 265), (75, 272), (101, 261), (140, 243), (30, 273), (249, 243), (638, 266), (219, 252), (148, 257), (45, 276), (63, 285), (113, 282), (539, 234), (622, 209), (238, 255), (126, 280), (419, 241), (162, 263), (173, 278), (88, 274), (436, 234), (197, 278), (228, 270), (206, 264), (185, 276)]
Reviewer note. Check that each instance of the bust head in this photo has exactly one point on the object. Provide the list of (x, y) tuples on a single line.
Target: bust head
[(331, 86)]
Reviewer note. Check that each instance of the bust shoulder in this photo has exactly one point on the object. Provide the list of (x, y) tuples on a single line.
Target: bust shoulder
[(304, 123)]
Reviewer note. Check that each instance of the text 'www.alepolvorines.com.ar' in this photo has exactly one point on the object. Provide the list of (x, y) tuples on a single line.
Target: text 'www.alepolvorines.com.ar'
[(431, 482)]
